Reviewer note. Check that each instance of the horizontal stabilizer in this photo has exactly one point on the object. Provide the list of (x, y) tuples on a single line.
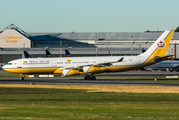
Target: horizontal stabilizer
[(120, 60), (158, 59)]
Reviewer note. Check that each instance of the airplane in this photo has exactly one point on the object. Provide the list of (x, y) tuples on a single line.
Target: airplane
[(143, 50), (26, 54), (68, 54), (69, 66), (171, 65), (48, 54)]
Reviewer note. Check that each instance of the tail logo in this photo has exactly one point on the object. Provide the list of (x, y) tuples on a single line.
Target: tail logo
[(161, 44)]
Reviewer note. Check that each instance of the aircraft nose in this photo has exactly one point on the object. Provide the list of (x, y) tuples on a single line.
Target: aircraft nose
[(3, 67)]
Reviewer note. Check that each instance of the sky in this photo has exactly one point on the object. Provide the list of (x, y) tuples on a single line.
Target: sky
[(90, 15)]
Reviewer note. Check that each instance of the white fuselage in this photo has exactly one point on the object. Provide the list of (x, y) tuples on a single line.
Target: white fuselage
[(51, 64)]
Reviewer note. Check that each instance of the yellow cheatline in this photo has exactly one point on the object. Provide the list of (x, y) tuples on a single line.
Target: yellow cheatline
[(31, 70), (73, 72)]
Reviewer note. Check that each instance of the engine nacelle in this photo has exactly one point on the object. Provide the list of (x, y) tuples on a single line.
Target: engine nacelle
[(86, 69), (94, 69), (69, 72)]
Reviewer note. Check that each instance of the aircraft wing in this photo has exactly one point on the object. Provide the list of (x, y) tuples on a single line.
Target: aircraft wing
[(98, 64), (108, 63)]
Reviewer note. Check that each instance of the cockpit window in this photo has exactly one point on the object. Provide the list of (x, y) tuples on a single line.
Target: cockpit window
[(9, 63)]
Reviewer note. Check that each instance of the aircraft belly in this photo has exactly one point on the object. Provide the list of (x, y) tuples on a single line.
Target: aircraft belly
[(98, 69), (111, 69), (120, 68)]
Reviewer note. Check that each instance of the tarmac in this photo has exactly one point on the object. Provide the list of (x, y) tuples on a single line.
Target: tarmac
[(102, 79)]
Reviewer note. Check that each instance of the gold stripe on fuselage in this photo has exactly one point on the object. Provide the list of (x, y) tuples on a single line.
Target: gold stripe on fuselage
[(112, 69), (31, 70)]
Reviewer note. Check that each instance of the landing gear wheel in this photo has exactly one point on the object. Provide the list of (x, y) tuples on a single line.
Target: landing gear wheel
[(21, 78), (93, 78), (87, 77), (171, 70)]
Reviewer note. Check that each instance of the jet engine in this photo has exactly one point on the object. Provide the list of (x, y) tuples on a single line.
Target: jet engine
[(94, 69), (70, 72)]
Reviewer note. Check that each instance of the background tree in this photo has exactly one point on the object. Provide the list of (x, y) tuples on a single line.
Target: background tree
[(177, 29)]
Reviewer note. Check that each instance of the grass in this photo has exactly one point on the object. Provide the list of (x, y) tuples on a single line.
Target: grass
[(150, 80), (8, 75), (66, 104)]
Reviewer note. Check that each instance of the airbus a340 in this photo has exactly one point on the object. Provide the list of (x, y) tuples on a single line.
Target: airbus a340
[(68, 66)]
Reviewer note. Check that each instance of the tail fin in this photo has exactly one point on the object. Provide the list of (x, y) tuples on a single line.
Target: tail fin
[(68, 54), (160, 46), (26, 54), (48, 54), (143, 50)]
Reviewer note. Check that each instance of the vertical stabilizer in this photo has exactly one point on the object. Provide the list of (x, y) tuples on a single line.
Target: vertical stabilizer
[(68, 54), (160, 46), (26, 54), (48, 54)]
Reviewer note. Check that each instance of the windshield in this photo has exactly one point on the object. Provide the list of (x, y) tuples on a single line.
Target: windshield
[(9, 64)]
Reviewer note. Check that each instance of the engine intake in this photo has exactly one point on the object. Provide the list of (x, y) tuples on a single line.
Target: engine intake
[(70, 72), (94, 69)]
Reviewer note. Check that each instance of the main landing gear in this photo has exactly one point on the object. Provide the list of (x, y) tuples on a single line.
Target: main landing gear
[(21, 77), (90, 77)]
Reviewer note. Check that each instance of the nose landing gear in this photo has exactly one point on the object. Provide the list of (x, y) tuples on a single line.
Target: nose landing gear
[(21, 77)]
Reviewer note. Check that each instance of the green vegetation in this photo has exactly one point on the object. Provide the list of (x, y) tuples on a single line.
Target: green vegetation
[(66, 104), (177, 29), (8, 75)]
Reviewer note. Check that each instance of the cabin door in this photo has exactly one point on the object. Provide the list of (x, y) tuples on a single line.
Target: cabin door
[(54, 64), (19, 64)]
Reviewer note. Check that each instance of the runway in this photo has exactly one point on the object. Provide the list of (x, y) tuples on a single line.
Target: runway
[(82, 82), (102, 79)]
